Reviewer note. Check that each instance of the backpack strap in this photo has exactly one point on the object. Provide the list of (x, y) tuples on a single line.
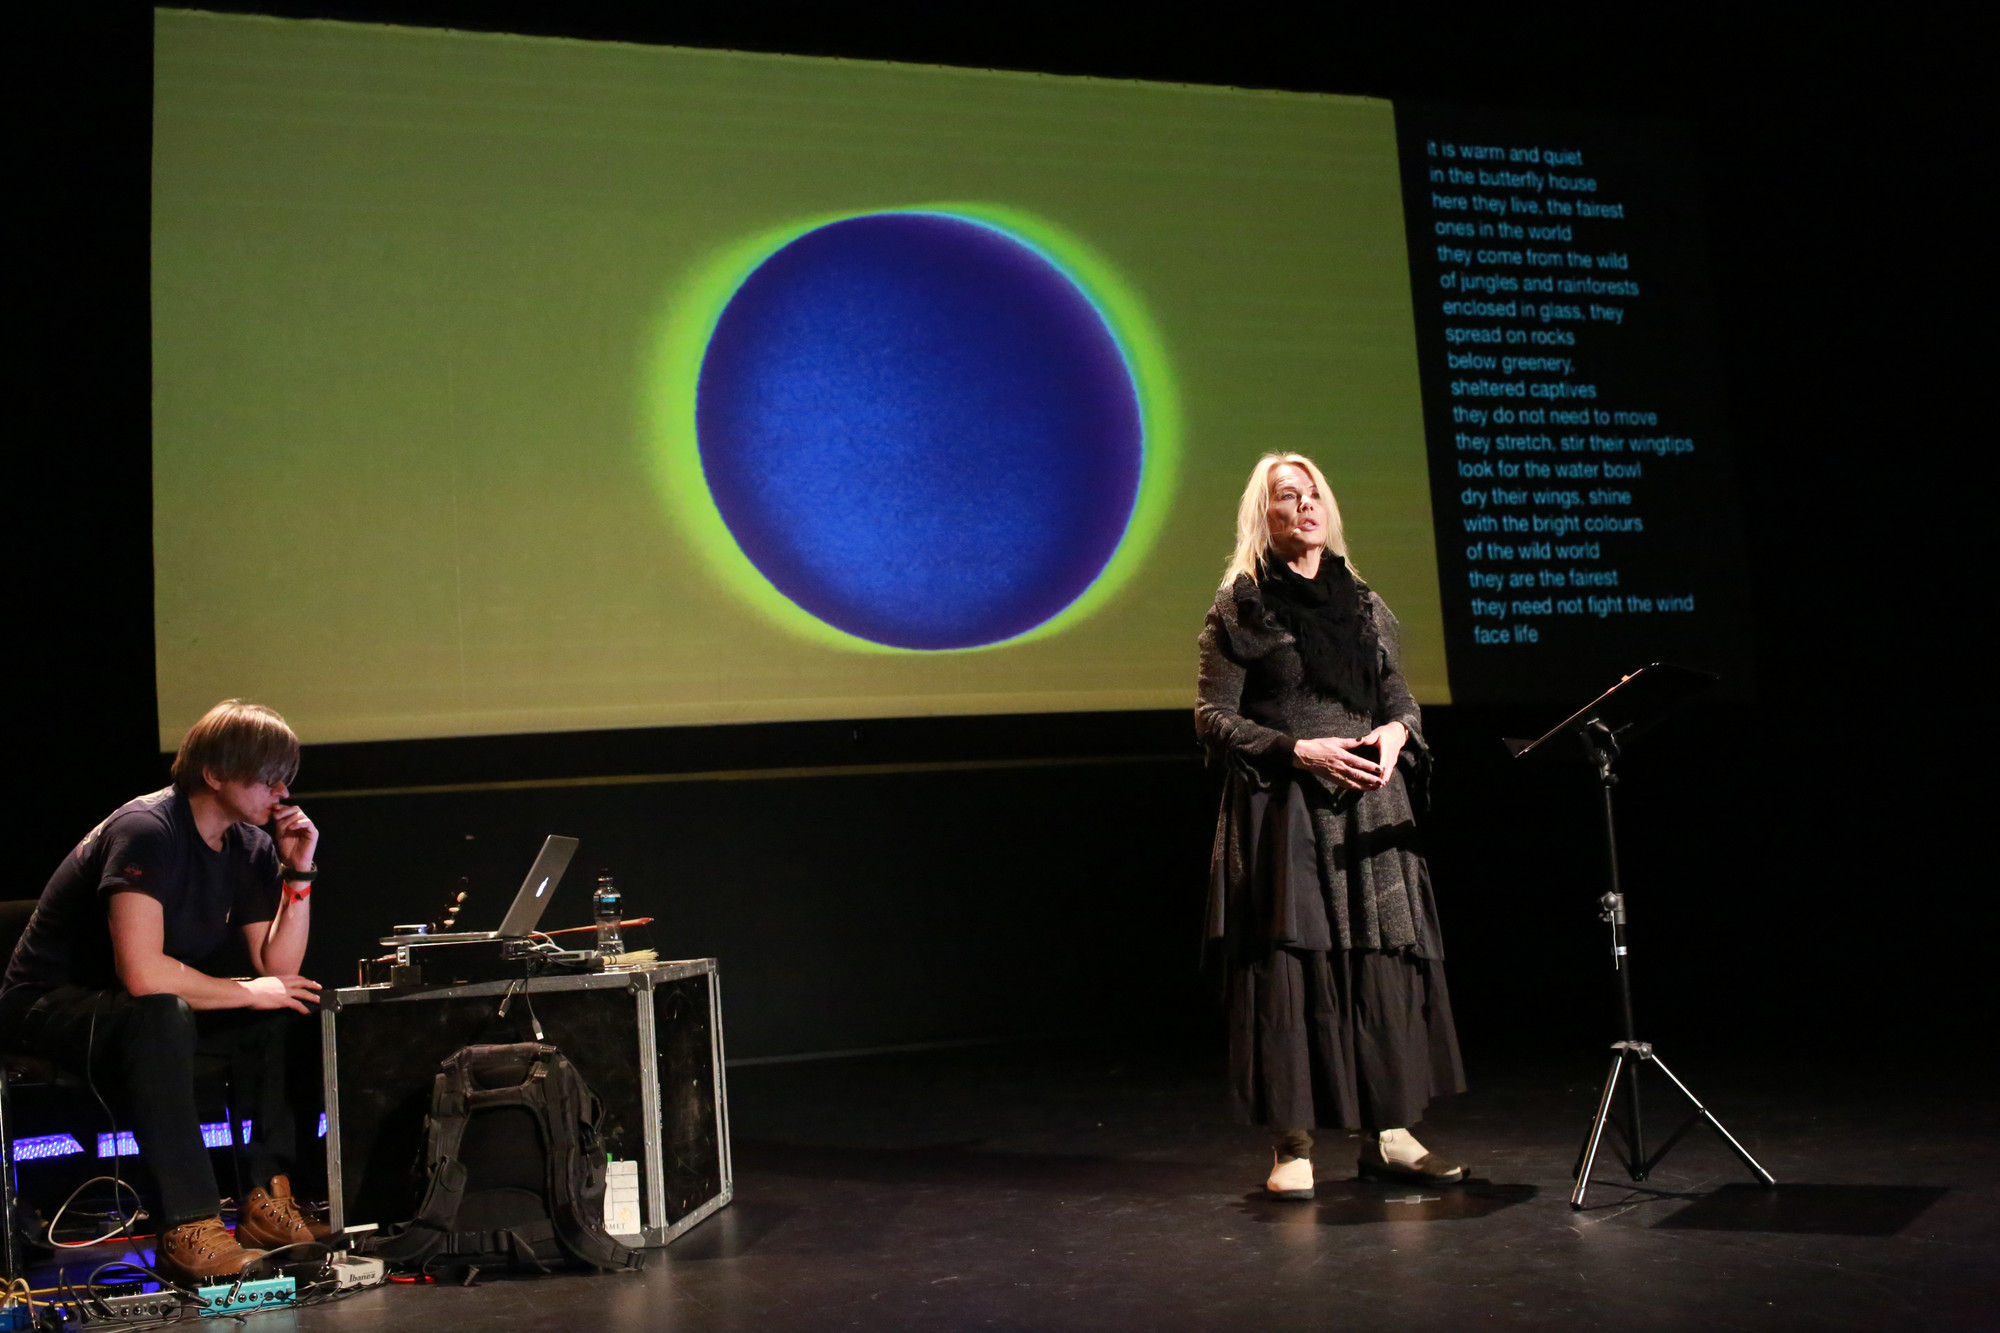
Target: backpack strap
[(429, 1231), (577, 1171), (521, 1242), (517, 1244)]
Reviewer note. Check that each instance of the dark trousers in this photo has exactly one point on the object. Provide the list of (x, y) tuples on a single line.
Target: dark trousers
[(142, 1053)]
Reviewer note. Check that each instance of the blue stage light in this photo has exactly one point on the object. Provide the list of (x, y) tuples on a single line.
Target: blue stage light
[(45, 1145), (126, 1145), (215, 1136)]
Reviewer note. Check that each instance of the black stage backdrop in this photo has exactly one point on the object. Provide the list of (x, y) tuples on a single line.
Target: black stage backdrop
[(1805, 870)]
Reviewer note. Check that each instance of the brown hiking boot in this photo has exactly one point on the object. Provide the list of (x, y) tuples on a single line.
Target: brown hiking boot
[(201, 1252), (271, 1218)]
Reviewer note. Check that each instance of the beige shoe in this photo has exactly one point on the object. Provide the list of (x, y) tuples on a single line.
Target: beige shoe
[(1429, 1169), (201, 1252), (272, 1218), (1291, 1178)]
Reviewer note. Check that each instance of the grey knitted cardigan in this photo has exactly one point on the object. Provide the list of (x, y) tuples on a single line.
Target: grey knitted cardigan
[(1299, 862)]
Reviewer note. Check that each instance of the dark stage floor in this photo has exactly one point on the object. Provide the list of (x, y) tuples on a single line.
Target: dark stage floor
[(1035, 1189)]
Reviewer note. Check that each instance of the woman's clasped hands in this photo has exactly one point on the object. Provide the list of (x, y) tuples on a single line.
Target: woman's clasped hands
[(1335, 759)]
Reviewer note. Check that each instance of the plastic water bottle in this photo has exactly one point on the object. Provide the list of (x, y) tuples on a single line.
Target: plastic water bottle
[(610, 912)]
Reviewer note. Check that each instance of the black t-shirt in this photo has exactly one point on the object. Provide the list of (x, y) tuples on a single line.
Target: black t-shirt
[(150, 845)]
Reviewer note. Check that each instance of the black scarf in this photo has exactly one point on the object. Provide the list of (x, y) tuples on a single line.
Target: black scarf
[(1328, 616)]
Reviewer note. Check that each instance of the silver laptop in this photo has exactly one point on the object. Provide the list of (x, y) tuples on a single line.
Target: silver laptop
[(529, 902)]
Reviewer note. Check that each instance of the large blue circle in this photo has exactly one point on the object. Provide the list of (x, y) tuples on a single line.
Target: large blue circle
[(919, 430)]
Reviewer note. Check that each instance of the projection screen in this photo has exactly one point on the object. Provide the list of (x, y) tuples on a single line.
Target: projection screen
[(507, 384)]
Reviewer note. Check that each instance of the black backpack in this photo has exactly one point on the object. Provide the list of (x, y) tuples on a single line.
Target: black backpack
[(515, 1162)]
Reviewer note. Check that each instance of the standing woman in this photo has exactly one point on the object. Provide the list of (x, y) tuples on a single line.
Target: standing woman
[(1320, 903)]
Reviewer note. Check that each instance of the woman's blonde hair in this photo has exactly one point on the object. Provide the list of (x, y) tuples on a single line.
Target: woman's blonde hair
[(1253, 528)]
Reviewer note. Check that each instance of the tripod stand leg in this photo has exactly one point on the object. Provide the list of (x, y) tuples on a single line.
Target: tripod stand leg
[(1742, 1152), (1590, 1145), (1636, 1165)]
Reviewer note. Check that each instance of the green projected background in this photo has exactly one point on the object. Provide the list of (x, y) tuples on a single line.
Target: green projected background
[(414, 295)]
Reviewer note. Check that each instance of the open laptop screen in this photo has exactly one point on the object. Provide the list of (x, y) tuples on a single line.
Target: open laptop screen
[(538, 887)]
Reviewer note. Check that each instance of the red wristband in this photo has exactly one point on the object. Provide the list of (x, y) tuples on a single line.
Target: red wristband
[(298, 893)]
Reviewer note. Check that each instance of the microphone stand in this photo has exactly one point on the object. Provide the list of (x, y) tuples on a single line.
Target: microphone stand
[(1632, 706)]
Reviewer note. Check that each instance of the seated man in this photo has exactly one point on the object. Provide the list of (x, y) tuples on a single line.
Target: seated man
[(106, 979)]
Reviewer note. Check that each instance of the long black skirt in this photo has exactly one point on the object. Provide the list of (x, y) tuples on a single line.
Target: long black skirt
[(1353, 1038)]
